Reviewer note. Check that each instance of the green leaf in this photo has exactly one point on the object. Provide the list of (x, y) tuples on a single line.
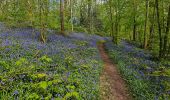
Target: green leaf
[(41, 75), (72, 96), (33, 96), (46, 59), (21, 61), (43, 84)]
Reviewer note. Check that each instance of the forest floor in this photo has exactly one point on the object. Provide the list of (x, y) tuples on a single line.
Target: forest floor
[(72, 67), (112, 86)]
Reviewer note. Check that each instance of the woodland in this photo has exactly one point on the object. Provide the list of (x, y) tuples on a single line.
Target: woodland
[(84, 50)]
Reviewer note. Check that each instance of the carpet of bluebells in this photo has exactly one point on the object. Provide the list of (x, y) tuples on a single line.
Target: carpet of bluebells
[(148, 80), (62, 68)]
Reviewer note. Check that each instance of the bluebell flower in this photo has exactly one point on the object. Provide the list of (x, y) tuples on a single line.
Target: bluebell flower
[(68, 74), (6, 42), (15, 93)]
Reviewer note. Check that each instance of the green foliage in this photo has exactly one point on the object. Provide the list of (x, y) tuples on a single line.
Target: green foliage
[(163, 72), (72, 96), (43, 84), (4, 65), (139, 88), (80, 29), (53, 76), (39, 77), (34, 96), (45, 59), (21, 61), (81, 43)]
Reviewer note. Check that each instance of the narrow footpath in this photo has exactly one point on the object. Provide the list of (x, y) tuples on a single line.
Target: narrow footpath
[(112, 86)]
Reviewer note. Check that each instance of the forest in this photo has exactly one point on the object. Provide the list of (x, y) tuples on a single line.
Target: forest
[(84, 50)]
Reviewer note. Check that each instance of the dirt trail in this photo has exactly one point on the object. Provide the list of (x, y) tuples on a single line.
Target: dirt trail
[(111, 84)]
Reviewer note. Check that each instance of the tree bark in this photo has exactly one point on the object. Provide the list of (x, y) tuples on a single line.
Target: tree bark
[(62, 16), (71, 13), (159, 29), (146, 24), (151, 35), (166, 34), (42, 38), (111, 19), (134, 20)]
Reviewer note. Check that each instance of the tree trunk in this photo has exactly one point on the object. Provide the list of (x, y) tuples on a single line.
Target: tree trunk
[(117, 23), (62, 16), (71, 12), (146, 24), (151, 35), (159, 29), (90, 15), (134, 20), (82, 15), (42, 38), (166, 34), (111, 19)]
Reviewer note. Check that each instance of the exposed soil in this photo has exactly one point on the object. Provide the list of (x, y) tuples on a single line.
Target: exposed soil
[(112, 86)]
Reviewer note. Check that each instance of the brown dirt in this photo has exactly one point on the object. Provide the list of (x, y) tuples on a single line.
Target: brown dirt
[(112, 86)]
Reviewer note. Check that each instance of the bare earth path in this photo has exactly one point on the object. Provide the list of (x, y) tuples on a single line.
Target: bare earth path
[(111, 84)]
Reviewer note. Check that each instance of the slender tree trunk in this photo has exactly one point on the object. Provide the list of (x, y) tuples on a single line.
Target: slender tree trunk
[(42, 38), (14, 11), (146, 24), (166, 33), (116, 29), (71, 12), (159, 29), (117, 23), (90, 15), (152, 29), (162, 17), (62, 16), (134, 20), (30, 11), (111, 20), (46, 12), (82, 16)]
